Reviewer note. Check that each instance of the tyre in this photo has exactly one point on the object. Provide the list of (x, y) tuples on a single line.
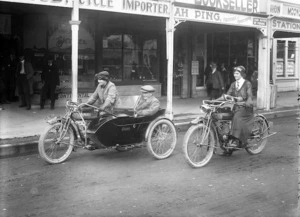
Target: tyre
[(257, 142), (162, 139), (198, 145), (53, 150)]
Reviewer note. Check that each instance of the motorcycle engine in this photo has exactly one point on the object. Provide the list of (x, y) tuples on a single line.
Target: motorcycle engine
[(224, 127)]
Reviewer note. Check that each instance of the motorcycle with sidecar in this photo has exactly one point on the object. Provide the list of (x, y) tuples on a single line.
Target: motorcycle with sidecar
[(120, 130)]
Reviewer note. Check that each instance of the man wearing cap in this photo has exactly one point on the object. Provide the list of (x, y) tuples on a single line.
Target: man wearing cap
[(50, 79), (106, 92), (148, 104)]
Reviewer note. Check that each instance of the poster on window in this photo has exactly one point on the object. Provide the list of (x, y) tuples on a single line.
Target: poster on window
[(5, 24), (279, 69), (60, 35), (291, 69)]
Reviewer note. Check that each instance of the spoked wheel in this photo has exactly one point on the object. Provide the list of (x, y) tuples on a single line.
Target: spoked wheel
[(162, 139), (198, 145), (257, 142), (54, 148)]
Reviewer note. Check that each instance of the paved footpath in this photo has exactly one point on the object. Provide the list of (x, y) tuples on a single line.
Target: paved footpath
[(20, 128)]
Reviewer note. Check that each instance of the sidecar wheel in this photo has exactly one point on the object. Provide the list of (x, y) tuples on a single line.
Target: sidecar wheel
[(50, 150), (162, 139), (198, 146), (256, 142)]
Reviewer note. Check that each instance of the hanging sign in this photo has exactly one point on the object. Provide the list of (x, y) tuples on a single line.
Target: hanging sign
[(218, 17)]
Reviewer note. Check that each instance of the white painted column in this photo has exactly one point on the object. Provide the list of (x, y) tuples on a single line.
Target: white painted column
[(75, 27), (170, 22), (264, 87)]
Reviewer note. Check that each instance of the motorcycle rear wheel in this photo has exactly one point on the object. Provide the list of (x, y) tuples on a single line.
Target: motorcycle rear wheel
[(257, 144), (52, 150), (198, 148)]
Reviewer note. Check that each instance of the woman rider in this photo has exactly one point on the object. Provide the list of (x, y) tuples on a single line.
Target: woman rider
[(242, 121)]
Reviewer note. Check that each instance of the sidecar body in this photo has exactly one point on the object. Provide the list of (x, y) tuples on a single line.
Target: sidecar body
[(121, 129)]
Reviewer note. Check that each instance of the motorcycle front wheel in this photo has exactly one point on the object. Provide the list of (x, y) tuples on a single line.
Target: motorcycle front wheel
[(198, 145), (54, 145), (258, 140)]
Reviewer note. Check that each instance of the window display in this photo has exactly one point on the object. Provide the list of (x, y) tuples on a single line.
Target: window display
[(286, 56), (130, 57)]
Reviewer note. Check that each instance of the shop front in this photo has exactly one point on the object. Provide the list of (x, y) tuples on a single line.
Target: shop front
[(128, 40), (208, 33), (285, 26)]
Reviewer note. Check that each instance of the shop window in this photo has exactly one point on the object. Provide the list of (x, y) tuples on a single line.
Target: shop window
[(285, 58), (130, 57)]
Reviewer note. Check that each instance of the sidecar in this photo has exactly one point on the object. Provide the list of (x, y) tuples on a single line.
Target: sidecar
[(123, 129)]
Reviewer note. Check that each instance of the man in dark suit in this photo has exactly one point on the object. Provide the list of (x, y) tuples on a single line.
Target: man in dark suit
[(24, 73), (216, 81), (50, 78)]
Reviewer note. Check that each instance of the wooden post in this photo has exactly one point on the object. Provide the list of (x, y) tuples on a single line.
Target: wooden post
[(170, 56), (75, 27)]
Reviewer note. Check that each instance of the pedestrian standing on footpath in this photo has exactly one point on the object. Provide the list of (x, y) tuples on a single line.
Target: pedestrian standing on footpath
[(216, 81), (10, 65), (225, 76), (24, 73), (50, 79), (207, 79)]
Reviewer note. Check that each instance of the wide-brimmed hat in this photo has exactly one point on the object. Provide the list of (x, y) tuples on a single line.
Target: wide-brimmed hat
[(104, 75), (147, 89)]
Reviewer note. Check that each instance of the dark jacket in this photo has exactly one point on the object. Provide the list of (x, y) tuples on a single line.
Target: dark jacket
[(50, 75), (28, 69), (216, 80)]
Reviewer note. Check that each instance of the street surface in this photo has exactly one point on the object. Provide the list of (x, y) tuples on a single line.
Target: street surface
[(110, 183)]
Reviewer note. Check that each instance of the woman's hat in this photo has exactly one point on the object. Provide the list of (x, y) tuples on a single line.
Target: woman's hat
[(241, 70), (147, 89), (104, 75)]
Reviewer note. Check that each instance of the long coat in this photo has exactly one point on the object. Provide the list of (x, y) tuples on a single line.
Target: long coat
[(146, 107), (108, 96), (243, 117)]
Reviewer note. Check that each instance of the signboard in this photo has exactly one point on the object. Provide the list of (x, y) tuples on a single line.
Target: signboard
[(284, 25), (57, 3), (284, 10), (195, 67), (192, 14), (279, 69), (141, 7), (248, 6)]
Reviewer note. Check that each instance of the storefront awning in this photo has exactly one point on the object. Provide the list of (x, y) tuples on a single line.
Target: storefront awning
[(281, 34)]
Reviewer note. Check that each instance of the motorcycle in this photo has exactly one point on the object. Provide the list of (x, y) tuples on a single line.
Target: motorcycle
[(85, 124), (211, 133)]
